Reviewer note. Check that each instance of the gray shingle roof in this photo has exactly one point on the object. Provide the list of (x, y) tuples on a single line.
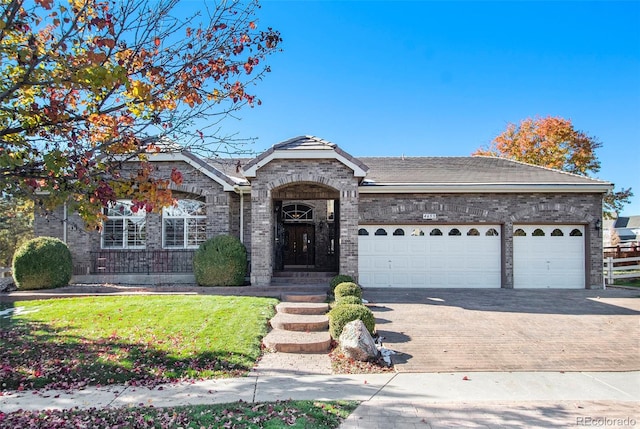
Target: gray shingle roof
[(477, 169)]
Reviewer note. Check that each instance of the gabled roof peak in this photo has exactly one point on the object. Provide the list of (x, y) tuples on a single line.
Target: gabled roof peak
[(305, 143)]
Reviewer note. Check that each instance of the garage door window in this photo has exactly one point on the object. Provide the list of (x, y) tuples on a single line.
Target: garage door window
[(576, 233), (473, 232), (381, 231), (363, 231), (455, 231), (398, 231), (557, 233), (519, 233), (538, 233), (417, 232), (491, 232), (435, 231)]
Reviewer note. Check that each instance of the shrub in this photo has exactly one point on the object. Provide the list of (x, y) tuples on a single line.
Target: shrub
[(42, 263), (340, 278), (348, 299), (340, 315), (347, 289), (220, 261)]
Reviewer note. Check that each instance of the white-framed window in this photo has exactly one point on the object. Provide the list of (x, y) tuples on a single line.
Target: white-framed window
[(184, 225), (124, 228)]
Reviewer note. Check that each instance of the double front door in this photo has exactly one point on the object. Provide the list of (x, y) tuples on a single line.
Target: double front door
[(299, 244)]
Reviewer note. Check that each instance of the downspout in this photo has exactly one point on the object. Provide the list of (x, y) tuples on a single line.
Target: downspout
[(64, 222), (241, 216)]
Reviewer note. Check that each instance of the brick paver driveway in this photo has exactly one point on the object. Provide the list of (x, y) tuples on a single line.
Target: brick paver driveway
[(437, 330)]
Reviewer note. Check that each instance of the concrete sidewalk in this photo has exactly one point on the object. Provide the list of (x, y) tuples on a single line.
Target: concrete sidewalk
[(396, 400)]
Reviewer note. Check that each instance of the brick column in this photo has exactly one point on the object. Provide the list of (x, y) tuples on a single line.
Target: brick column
[(507, 255), (349, 232), (261, 237)]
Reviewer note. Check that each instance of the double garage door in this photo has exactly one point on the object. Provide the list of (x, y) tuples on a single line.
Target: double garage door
[(429, 256), (469, 256)]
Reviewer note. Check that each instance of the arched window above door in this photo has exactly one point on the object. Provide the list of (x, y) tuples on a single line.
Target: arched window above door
[(297, 213)]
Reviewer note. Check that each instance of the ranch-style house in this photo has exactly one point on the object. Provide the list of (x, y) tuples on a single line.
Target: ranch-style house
[(306, 205)]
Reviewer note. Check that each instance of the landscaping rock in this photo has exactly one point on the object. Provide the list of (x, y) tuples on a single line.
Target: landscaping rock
[(357, 343)]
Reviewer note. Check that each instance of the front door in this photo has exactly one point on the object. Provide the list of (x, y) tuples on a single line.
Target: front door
[(299, 243)]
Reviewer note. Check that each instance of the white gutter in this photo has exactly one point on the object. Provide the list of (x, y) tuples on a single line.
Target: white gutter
[(405, 188)]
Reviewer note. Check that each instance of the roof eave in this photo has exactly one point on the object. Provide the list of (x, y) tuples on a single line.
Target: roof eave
[(200, 165), (406, 188)]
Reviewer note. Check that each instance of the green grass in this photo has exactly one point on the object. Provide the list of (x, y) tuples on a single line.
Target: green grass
[(139, 340), (630, 282), (287, 414)]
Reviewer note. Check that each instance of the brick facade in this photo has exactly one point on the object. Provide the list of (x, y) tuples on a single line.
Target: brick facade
[(302, 179), (313, 181), (503, 209)]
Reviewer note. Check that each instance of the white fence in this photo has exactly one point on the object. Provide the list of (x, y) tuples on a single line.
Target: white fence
[(5, 272), (621, 268)]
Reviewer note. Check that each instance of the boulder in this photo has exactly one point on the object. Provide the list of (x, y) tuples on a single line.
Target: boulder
[(356, 342)]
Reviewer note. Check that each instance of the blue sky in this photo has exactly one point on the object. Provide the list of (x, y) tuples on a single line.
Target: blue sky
[(428, 78)]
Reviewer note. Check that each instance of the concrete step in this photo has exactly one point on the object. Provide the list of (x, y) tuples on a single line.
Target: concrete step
[(300, 322), (304, 297), (302, 308), (297, 342)]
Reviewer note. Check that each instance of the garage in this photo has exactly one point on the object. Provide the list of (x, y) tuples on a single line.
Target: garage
[(549, 256), (430, 256)]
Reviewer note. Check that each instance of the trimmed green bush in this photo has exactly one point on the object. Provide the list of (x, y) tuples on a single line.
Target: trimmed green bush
[(347, 289), (42, 263), (220, 261), (340, 315), (340, 278), (348, 299)]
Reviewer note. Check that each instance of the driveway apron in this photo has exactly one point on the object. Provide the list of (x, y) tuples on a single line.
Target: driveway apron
[(438, 330)]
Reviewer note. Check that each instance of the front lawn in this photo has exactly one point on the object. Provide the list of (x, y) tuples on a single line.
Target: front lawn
[(289, 414), (137, 340)]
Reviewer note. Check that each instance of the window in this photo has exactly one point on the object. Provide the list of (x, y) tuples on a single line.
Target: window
[(398, 231), (435, 231), (538, 233), (330, 210), (575, 233), (417, 232), (363, 231), (557, 233), (519, 233), (455, 231), (124, 228), (297, 213), (184, 225), (491, 232), (473, 232), (380, 231)]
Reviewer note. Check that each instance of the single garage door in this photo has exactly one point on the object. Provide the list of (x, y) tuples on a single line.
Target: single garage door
[(548, 256), (437, 256)]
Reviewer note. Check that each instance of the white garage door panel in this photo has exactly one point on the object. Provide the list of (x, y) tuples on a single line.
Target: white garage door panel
[(424, 260), (549, 256)]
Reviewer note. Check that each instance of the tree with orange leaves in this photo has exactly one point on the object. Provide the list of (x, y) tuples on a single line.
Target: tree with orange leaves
[(553, 142), (88, 84)]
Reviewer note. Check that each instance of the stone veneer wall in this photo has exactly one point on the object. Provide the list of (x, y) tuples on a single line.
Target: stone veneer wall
[(504, 209), (279, 175)]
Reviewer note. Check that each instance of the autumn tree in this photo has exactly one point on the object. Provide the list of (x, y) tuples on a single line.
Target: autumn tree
[(88, 84), (553, 142)]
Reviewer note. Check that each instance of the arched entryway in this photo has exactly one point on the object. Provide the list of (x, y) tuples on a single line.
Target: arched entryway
[(306, 228)]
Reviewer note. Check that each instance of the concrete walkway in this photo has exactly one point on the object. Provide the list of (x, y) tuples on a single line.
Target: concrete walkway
[(554, 337), (395, 400)]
